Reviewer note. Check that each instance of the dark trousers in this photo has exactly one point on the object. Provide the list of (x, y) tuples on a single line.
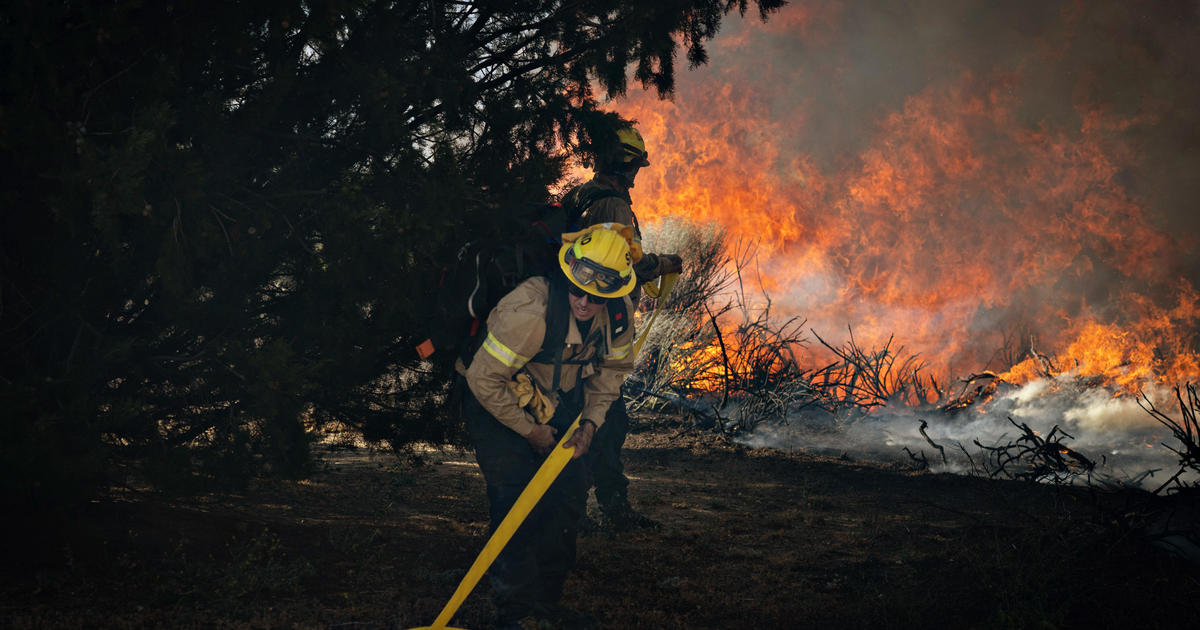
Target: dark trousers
[(533, 566), (604, 458)]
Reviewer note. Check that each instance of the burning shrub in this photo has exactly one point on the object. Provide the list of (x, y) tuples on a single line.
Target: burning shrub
[(717, 349), (674, 357), (872, 378)]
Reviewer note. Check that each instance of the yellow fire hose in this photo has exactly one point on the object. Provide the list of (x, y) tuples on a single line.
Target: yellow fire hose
[(660, 292), (549, 471), (529, 497)]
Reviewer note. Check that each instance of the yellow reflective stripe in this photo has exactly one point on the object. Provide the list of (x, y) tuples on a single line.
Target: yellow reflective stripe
[(503, 353), (620, 352)]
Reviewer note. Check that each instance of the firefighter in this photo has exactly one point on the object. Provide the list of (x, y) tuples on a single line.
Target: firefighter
[(516, 406), (617, 166)]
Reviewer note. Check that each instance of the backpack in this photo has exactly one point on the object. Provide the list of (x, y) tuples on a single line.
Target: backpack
[(487, 269)]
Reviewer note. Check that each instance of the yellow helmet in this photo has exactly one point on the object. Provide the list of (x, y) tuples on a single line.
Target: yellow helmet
[(632, 149), (598, 261)]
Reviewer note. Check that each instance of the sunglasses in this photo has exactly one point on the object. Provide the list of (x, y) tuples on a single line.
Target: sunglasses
[(577, 292)]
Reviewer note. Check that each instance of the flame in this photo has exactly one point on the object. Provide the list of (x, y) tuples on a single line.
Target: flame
[(709, 368), (957, 221), (1151, 348), (705, 363)]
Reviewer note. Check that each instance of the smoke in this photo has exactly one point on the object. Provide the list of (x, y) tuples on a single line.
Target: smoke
[(846, 65), (1108, 428), (852, 63)]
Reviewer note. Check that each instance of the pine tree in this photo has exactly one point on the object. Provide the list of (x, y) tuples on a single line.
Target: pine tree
[(219, 218)]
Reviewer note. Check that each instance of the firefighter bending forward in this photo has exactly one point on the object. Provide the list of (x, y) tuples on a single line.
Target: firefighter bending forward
[(515, 413)]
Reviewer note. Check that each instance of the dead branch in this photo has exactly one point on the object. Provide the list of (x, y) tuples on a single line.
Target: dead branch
[(975, 467), (921, 460), (941, 450), (972, 392), (1046, 367), (1032, 457), (704, 416), (724, 354), (1186, 431)]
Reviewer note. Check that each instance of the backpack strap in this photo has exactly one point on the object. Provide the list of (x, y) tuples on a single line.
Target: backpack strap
[(557, 314), (581, 205)]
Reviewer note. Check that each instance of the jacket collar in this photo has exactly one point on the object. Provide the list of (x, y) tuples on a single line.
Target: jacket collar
[(574, 338)]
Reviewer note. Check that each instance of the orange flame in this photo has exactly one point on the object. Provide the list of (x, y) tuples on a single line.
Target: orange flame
[(957, 223)]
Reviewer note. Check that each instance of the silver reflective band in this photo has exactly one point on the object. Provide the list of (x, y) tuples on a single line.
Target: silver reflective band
[(503, 353), (620, 352)]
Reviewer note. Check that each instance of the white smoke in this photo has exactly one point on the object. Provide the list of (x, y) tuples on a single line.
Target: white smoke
[(1107, 427)]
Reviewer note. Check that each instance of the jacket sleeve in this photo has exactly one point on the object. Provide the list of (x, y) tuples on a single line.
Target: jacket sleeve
[(616, 210), (516, 329), (602, 387)]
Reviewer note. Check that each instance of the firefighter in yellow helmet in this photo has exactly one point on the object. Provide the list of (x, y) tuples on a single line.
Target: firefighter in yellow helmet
[(554, 346), (606, 198)]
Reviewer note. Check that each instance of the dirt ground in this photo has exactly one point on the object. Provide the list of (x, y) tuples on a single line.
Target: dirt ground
[(750, 539)]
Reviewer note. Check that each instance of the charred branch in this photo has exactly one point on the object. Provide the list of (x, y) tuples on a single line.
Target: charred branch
[(925, 425), (1031, 457), (1186, 430), (976, 388), (1046, 367), (724, 354), (921, 460), (975, 467), (701, 415)]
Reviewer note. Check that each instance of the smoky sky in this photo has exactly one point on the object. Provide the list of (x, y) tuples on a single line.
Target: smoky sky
[(849, 64)]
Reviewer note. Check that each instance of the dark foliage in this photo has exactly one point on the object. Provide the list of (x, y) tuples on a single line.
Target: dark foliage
[(219, 218)]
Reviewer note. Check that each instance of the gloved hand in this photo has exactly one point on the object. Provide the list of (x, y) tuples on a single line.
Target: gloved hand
[(669, 263), (531, 398)]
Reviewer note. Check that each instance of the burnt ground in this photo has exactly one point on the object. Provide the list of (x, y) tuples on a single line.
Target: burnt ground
[(750, 539)]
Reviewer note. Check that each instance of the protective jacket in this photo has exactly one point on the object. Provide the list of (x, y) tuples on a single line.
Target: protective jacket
[(516, 331), (618, 209)]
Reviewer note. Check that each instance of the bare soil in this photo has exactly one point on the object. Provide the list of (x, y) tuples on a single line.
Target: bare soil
[(750, 539)]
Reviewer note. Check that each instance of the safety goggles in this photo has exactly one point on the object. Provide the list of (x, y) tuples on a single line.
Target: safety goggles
[(577, 292), (585, 271), (635, 157)]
